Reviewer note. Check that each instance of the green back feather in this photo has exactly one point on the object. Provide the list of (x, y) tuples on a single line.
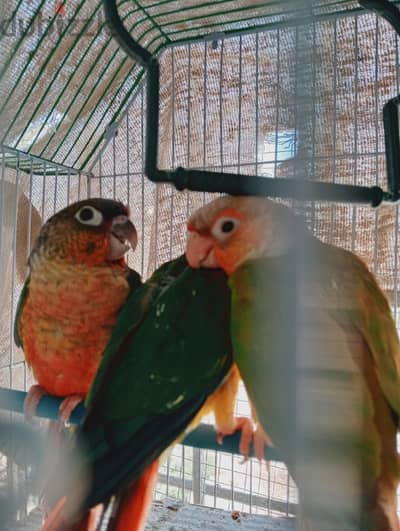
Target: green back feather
[(169, 350), (21, 302), (319, 353)]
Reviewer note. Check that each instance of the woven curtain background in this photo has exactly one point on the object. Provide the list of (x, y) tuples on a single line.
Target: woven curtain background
[(223, 106)]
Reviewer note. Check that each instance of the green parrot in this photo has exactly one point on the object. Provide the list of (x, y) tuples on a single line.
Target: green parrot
[(318, 351), (168, 362)]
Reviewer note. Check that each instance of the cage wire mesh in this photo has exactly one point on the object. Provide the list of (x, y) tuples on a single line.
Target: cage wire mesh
[(302, 100), (64, 78)]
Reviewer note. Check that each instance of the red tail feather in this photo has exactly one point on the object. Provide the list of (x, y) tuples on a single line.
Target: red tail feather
[(56, 521), (134, 506), (131, 514)]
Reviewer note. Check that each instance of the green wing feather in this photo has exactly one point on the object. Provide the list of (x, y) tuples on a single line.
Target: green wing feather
[(375, 323), (21, 301), (318, 351), (134, 280), (262, 314), (334, 281), (169, 350), (130, 317)]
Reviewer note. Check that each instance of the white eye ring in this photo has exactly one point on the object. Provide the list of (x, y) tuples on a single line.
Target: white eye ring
[(88, 215), (224, 227)]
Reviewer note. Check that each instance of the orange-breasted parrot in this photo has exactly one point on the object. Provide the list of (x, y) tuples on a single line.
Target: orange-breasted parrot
[(319, 354), (78, 281), (169, 361)]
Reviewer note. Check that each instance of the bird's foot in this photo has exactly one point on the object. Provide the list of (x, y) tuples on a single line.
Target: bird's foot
[(245, 425), (261, 439), (32, 399), (67, 406), (258, 437)]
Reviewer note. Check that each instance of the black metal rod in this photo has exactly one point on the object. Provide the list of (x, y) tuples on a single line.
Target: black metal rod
[(235, 184), (391, 13), (385, 9), (122, 36), (203, 437), (152, 121), (392, 144)]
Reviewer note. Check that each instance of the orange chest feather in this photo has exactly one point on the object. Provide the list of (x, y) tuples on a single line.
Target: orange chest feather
[(66, 323)]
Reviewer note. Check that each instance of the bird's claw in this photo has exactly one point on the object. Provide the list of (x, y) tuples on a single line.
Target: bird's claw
[(258, 437), (67, 406), (36, 393), (261, 439), (245, 425), (32, 399)]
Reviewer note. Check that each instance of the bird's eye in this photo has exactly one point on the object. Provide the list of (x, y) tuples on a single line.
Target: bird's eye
[(224, 227), (89, 215)]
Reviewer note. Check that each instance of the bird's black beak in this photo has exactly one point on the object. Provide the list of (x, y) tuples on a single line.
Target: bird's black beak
[(122, 231)]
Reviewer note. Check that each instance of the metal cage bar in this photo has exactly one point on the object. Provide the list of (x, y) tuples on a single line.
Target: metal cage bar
[(235, 184)]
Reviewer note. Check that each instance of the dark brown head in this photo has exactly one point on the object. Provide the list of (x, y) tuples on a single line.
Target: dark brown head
[(93, 232)]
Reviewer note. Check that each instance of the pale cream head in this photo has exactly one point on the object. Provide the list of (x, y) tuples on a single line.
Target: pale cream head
[(230, 230)]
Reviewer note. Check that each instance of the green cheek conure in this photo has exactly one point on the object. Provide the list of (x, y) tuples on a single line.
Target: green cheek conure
[(78, 281), (318, 350)]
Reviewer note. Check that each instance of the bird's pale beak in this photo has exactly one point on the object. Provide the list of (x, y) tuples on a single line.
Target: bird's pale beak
[(122, 231), (200, 251)]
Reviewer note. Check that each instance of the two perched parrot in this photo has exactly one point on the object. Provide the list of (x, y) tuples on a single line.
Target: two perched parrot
[(318, 351), (168, 363), (159, 365), (78, 282), (312, 336)]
